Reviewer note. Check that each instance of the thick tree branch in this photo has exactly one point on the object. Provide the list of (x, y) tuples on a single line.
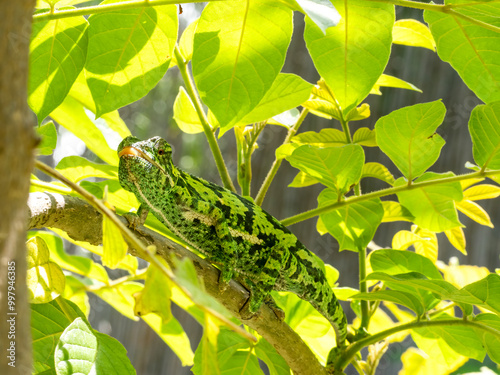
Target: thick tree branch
[(83, 223)]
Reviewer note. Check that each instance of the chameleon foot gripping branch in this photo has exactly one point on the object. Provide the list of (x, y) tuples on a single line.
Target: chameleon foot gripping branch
[(230, 230)]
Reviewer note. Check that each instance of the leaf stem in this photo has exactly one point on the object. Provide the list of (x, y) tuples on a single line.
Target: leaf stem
[(365, 308), (212, 141), (384, 192), (83, 11), (354, 348), (277, 162)]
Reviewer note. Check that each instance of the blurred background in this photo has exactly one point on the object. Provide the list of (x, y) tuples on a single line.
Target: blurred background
[(152, 116)]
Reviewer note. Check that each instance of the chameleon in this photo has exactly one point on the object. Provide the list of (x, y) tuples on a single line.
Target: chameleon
[(234, 233)]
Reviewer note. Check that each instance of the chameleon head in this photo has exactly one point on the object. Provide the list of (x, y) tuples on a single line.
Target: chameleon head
[(145, 165)]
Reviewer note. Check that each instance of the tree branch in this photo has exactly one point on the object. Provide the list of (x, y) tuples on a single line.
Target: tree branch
[(84, 223)]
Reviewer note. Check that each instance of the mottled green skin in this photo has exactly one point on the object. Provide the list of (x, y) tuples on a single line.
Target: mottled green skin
[(230, 230)]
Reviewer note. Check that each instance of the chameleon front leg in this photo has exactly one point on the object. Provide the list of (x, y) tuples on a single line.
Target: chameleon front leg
[(139, 218)]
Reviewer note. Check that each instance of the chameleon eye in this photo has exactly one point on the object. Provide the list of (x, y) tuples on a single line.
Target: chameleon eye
[(161, 152)]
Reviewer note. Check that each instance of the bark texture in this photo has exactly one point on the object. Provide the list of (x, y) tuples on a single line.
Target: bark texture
[(17, 144)]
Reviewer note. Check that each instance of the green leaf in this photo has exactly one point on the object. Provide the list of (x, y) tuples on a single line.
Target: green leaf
[(235, 354), (48, 321), (325, 138), (483, 293), (45, 279), (120, 297), (490, 341), (462, 339), (303, 179), (206, 360), (401, 298), (390, 81), (155, 296), (484, 125), (364, 137), (483, 191), (379, 171), (287, 91), (234, 61), (129, 52), (410, 32), (470, 49), (434, 356), (185, 115), (114, 247), (352, 55), (71, 114), (76, 350), (415, 280), (77, 168), (48, 134), (408, 137), (353, 226), (58, 50), (173, 335), (475, 212), (393, 211), (394, 262), (111, 356), (275, 362), (186, 42), (77, 264), (432, 206), (186, 276), (75, 291), (336, 167)]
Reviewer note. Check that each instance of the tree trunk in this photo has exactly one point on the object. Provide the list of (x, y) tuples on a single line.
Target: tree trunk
[(17, 143)]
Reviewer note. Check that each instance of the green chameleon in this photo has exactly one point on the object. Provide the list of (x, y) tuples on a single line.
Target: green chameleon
[(233, 232)]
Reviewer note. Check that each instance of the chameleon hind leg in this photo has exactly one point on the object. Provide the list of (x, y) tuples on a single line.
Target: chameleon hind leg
[(261, 287)]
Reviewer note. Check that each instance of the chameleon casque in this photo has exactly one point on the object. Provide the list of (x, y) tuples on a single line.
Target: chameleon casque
[(230, 230)]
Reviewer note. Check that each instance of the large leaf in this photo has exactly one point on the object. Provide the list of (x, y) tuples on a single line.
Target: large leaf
[(352, 55), (462, 339), (81, 350), (74, 263), (483, 293), (129, 52), (71, 114), (45, 279), (490, 341), (335, 167), (287, 91), (470, 49), (484, 128), (410, 32), (408, 137), (77, 168), (396, 296), (432, 206), (395, 261), (239, 49), (48, 134), (353, 226), (58, 50), (48, 321)]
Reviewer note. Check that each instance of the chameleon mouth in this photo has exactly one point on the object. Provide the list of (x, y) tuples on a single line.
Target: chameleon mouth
[(135, 152)]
